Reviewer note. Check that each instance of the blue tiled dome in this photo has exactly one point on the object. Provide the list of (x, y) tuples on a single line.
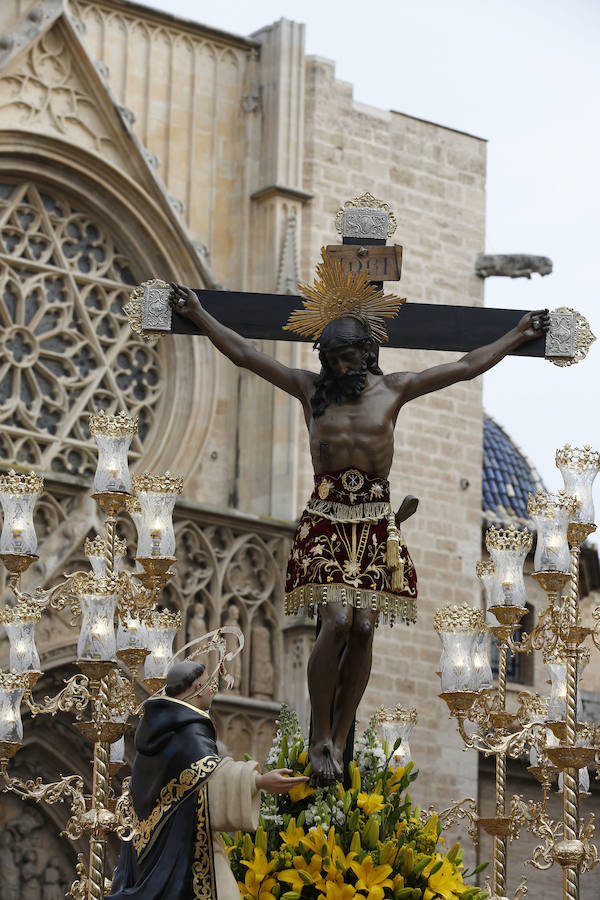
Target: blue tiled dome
[(508, 477)]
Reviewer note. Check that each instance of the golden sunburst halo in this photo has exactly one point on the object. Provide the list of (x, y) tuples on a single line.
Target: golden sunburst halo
[(336, 293)]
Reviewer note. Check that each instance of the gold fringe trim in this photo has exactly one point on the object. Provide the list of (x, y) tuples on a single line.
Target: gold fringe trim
[(341, 512), (391, 607)]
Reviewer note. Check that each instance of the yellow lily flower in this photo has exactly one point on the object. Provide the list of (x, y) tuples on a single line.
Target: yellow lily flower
[(446, 882), (370, 803), (331, 867), (393, 782), (302, 758), (292, 835), (387, 851), (259, 864), (315, 839), (303, 872), (339, 891), (301, 792), (259, 888), (430, 828), (372, 879)]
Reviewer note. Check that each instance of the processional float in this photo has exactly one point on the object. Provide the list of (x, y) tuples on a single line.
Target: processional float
[(109, 662)]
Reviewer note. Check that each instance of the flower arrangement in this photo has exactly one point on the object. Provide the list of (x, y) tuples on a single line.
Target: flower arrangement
[(366, 842)]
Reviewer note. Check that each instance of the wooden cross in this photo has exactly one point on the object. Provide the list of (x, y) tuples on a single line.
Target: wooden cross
[(365, 224)]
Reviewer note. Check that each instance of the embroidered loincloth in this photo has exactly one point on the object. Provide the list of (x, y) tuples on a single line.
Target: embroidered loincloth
[(340, 551)]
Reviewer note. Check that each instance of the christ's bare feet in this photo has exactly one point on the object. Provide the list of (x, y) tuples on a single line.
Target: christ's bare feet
[(338, 756), (326, 769)]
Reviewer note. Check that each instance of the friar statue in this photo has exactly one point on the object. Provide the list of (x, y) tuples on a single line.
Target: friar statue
[(347, 558), (183, 794)]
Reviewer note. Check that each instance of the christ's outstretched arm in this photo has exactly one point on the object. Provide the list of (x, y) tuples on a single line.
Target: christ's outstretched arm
[(297, 382), (415, 384)]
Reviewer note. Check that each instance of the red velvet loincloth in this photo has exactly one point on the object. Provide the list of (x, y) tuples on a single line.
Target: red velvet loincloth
[(339, 550)]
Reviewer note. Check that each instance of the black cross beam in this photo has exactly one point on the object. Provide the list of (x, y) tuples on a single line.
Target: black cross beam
[(365, 223), (418, 326)]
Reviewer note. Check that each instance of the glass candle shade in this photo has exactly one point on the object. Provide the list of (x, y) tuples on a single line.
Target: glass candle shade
[(12, 690), (397, 723), (458, 628), (579, 467), (508, 548), (135, 511), (584, 781), (481, 661), (132, 633), (550, 741), (161, 634), (485, 573), (117, 748), (117, 751), (20, 622), (113, 436), (551, 514), (534, 708), (18, 495), (96, 553), (98, 600), (557, 706), (157, 495)]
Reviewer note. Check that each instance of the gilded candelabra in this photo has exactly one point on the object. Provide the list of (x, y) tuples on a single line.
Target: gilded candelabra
[(108, 660), (561, 746)]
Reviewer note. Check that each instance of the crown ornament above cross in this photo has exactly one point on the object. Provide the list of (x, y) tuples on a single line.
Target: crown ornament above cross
[(365, 223)]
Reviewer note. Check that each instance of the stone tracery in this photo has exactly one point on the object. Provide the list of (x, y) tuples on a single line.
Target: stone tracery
[(66, 348)]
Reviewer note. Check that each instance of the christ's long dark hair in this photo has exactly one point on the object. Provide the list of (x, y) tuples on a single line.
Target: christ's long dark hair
[(347, 331)]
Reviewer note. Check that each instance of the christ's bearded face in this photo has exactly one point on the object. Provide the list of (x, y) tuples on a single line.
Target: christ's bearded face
[(346, 365), (346, 354)]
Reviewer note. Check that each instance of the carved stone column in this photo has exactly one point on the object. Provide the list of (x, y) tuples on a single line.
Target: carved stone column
[(298, 639)]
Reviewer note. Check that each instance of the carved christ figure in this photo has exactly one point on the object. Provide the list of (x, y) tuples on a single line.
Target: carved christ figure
[(348, 560)]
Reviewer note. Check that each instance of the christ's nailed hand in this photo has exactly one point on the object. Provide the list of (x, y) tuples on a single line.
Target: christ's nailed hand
[(277, 781), (534, 324), (184, 301)]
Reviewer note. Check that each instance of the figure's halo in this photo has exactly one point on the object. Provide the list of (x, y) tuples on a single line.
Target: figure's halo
[(336, 293)]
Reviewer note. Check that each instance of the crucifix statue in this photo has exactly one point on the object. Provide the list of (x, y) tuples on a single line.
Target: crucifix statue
[(348, 561)]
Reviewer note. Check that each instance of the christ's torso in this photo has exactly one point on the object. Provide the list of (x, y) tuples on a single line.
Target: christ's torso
[(356, 434)]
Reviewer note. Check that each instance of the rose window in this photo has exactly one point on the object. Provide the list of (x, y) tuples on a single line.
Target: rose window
[(65, 345)]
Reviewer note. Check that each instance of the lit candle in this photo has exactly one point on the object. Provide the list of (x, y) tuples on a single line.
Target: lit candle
[(18, 537), (113, 472), (156, 535), (507, 591)]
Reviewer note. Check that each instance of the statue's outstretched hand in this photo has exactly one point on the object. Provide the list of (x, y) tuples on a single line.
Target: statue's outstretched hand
[(534, 324), (184, 301), (277, 781)]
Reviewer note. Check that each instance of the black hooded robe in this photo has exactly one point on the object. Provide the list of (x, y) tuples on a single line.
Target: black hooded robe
[(173, 853)]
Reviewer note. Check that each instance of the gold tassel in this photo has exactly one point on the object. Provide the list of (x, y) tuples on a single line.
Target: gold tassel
[(398, 583), (394, 560), (393, 544)]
